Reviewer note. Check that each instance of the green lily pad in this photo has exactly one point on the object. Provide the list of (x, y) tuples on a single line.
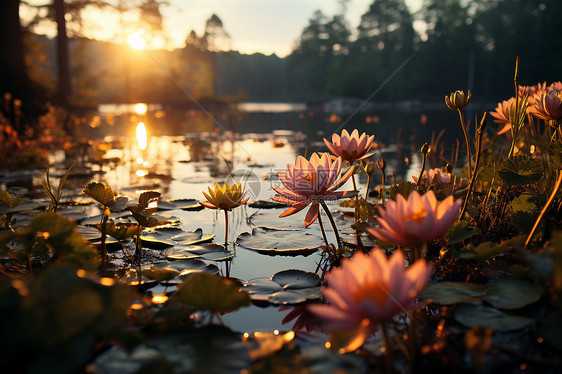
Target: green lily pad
[(460, 231), (212, 292), (524, 221), (274, 242), (448, 293), (482, 315), (212, 252), (183, 204), (266, 204), (521, 170), (188, 267), (512, 293), (286, 287), (160, 274), (524, 202), (269, 219), (210, 349), (485, 250)]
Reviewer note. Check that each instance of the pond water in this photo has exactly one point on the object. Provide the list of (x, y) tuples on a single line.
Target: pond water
[(189, 150)]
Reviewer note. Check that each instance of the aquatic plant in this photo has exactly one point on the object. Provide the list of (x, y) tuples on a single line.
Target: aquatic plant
[(225, 197), (312, 183), (352, 147), (415, 221), (457, 101), (368, 290)]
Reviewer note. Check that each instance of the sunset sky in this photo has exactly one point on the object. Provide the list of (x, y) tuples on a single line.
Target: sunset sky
[(267, 26)]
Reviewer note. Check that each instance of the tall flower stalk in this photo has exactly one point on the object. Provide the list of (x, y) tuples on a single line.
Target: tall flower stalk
[(225, 197), (457, 101)]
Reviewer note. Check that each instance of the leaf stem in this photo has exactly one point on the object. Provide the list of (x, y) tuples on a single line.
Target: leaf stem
[(473, 178), (468, 151)]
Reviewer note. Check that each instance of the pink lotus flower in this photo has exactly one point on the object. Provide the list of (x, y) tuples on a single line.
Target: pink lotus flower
[(311, 183), (351, 147), (434, 176), (369, 289), (415, 221), (548, 106)]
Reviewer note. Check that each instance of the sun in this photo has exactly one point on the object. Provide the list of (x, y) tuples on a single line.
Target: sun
[(135, 41)]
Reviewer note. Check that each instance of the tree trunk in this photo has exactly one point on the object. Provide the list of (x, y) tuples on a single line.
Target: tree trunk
[(13, 75), (64, 88)]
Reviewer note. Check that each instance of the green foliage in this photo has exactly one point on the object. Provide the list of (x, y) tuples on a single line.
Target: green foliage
[(521, 170), (8, 201), (50, 324), (101, 193), (121, 231), (482, 315), (210, 292), (402, 188), (460, 231), (51, 236), (55, 197)]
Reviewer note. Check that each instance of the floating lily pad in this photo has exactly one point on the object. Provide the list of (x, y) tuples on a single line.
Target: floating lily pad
[(270, 219), (188, 267), (183, 204), (212, 292), (448, 293), (166, 237), (482, 315), (512, 293), (160, 274), (211, 349), (266, 204), (212, 252), (286, 287), (274, 242), (521, 170)]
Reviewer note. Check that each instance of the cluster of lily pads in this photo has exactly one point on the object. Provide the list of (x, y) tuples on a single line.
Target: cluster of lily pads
[(460, 267)]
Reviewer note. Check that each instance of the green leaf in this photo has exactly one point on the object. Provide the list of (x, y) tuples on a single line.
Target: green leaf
[(481, 315), (524, 202), (524, 221), (57, 233), (512, 293), (286, 287), (521, 170), (211, 252), (160, 274), (402, 188), (148, 197), (488, 250), (448, 293), (7, 200), (211, 292), (274, 242), (145, 220), (100, 192), (460, 231), (120, 231)]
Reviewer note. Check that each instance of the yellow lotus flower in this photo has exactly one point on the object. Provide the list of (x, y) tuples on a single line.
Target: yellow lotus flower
[(457, 99), (225, 197)]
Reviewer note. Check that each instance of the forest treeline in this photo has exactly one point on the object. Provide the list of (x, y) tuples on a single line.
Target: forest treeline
[(456, 44)]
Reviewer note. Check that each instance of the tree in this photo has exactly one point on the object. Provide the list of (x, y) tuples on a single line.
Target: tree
[(13, 75), (386, 33)]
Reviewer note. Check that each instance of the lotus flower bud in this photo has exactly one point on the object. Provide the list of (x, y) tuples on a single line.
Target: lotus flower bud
[(457, 100)]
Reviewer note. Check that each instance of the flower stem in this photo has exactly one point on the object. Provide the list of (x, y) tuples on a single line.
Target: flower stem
[(545, 208), (225, 229), (356, 214), (468, 151), (367, 190), (340, 245), (473, 178), (388, 354), (322, 229)]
